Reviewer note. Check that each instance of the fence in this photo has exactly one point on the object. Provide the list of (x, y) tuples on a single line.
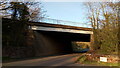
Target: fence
[(61, 22)]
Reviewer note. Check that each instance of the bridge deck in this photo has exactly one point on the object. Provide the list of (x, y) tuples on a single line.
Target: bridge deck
[(59, 26)]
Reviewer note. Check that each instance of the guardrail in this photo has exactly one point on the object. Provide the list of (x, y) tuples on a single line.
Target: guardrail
[(61, 22)]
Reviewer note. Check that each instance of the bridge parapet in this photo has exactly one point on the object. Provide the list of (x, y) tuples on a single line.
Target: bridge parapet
[(60, 22), (60, 28)]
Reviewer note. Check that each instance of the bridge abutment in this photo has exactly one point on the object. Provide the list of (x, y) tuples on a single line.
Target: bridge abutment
[(91, 42)]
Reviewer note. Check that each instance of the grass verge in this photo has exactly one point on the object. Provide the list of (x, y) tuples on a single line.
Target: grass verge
[(83, 60)]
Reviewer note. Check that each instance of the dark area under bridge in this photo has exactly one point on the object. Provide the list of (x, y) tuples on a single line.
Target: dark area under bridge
[(56, 43)]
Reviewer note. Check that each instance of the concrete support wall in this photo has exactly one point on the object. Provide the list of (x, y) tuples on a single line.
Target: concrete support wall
[(91, 41)]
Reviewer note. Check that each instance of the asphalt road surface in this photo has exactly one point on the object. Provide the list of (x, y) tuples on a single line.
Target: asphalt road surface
[(62, 60)]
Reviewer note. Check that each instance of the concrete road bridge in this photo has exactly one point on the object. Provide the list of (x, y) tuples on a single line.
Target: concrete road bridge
[(56, 36)]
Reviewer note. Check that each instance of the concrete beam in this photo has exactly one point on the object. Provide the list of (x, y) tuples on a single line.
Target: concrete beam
[(60, 30)]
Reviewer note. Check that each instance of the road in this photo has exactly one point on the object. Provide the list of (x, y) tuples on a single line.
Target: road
[(62, 60)]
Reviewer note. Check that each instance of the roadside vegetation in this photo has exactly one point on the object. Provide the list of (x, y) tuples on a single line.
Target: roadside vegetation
[(104, 19), (84, 59), (16, 29), (16, 36)]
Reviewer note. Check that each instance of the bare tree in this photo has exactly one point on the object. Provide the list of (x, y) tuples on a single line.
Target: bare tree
[(14, 9), (22, 11), (104, 21)]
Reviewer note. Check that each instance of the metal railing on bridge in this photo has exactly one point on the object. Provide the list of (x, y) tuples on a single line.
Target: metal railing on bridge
[(61, 22)]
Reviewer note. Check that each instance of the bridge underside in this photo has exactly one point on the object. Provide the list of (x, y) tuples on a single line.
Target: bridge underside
[(53, 43)]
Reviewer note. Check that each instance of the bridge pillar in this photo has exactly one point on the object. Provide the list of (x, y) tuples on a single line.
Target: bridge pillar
[(91, 42)]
